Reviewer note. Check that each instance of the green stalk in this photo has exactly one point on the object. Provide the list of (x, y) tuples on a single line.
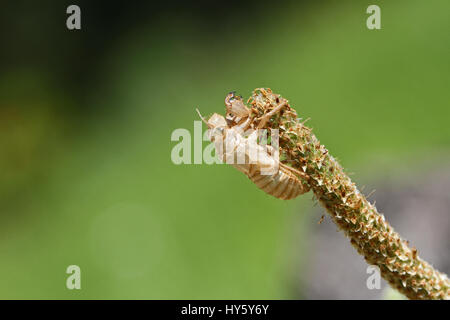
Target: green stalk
[(368, 231)]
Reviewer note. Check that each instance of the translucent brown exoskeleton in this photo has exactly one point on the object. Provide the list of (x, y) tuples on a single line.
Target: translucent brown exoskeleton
[(260, 163)]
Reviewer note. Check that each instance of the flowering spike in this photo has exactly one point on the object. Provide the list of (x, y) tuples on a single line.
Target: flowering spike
[(367, 229)]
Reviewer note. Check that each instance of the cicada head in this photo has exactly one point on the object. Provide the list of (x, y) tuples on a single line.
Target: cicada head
[(235, 106)]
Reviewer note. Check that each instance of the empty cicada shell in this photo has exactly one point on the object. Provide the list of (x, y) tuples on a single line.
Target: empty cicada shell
[(257, 161)]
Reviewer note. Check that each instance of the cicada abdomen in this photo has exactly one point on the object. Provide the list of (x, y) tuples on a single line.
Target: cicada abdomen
[(283, 184)]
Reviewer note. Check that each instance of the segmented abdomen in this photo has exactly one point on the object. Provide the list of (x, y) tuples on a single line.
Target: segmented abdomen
[(283, 184)]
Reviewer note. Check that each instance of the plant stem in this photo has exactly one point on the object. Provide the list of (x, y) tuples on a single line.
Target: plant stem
[(368, 231)]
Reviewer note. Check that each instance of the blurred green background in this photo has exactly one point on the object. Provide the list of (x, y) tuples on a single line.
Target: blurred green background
[(86, 118)]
